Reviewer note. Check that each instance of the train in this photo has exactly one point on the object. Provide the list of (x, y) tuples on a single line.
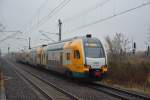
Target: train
[(80, 57)]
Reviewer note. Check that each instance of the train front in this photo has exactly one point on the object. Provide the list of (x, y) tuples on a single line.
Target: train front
[(95, 58)]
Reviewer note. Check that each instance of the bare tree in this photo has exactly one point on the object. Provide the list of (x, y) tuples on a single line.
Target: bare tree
[(118, 46), (148, 38), (148, 43)]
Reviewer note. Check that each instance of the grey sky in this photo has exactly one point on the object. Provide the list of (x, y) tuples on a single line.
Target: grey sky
[(24, 15)]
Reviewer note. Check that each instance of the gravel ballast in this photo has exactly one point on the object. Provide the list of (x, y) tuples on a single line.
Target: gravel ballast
[(16, 87), (79, 90)]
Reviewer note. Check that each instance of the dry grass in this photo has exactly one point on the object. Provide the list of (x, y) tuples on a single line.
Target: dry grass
[(131, 72), (0, 76), (0, 69)]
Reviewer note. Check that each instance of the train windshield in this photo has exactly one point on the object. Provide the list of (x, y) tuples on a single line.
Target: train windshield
[(93, 48)]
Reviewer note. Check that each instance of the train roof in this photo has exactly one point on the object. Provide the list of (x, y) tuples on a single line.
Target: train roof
[(66, 40), (83, 38)]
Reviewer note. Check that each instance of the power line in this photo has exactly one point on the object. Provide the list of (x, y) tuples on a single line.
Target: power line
[(10, 36), (86, 11), (54, 9), (48, 37), (109, 17), (37, 13), (53, 12), (59, 34), (10, 31)]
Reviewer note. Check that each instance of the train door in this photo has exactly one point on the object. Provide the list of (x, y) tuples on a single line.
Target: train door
[(67, 57), (67, 62), (45, 59), (33, 57), (77, 58)]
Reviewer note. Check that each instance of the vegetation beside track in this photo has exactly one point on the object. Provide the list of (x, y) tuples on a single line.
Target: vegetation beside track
[(0, 75), (0, 65), (0, 69), (131, 71), (134, 73), (127, 69)]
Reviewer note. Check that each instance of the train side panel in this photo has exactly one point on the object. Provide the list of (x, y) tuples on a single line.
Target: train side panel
[(55, 57), (76, 58)]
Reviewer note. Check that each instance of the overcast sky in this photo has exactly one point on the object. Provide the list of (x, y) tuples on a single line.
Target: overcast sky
[(30, 16)]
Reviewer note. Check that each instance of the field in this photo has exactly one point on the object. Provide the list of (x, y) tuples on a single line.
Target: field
[(132, 72), (0, 75)]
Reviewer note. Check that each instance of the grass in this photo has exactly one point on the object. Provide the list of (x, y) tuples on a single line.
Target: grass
[(130, 72), (0, 74), (0, 68)]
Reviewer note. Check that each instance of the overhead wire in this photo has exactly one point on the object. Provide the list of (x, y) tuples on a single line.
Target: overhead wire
[(31, 22), (48, 37), (109, 17), (37, 14), (53, 12), (10, 36), (88, 10)]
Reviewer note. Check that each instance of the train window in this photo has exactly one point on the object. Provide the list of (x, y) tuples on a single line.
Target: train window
[(94, 52), (93, 48), (77, 54), (68, 56)]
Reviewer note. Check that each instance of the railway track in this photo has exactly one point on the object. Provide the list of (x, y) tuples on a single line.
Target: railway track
[(46, 88), (114, 92), (118, 93)]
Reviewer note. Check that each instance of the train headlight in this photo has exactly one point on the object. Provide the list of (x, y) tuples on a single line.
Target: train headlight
[(104, 68)]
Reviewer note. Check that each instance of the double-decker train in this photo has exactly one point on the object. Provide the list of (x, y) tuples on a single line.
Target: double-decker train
[(80, 57)]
